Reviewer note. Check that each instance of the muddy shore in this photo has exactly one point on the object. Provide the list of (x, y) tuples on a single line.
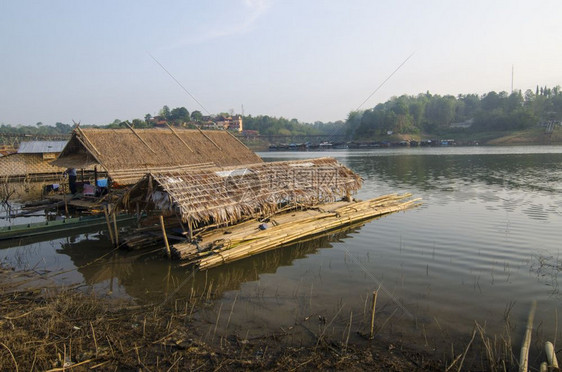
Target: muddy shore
[(44, 327)]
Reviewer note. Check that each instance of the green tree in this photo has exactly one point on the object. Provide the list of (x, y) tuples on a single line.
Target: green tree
[(138, 123), (179, 113), (196, 115), (165, 112), (440, 111)]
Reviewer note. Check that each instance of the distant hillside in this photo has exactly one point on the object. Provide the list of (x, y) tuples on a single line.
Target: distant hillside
[(463, 116), (533, 136)]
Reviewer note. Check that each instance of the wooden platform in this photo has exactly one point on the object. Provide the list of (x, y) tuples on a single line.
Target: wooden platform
[(225, 245), (76, 200)]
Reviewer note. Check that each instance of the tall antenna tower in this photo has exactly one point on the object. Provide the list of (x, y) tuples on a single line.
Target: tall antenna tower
[(242, 110), (512, 69)]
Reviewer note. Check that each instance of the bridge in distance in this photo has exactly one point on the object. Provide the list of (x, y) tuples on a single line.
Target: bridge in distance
[(16, 138), (294, 138)]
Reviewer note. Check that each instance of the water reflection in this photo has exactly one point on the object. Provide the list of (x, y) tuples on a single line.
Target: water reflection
[(514, 182), (148, 277), (530, 172)]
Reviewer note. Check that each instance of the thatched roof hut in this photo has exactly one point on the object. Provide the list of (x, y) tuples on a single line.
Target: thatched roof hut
[(128, 154), (231, 194)]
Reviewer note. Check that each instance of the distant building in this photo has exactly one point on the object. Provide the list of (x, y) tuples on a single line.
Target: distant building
[(233, 123), (32, 161), (159, 121), (48, 149), (250, 133), (210, 125), (465, 124)]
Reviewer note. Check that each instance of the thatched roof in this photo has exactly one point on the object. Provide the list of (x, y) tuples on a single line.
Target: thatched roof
[(231, 194), (135, 152)]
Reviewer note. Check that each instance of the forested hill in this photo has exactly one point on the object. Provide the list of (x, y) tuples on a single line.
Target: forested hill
[(435, 114), (425, 115)]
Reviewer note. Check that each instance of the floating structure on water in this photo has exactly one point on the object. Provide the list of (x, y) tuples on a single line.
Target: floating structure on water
[(253, 237), (211, 195), (234, 212)]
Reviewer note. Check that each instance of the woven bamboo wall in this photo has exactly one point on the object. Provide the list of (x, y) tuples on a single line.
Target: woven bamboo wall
[(25, 164)]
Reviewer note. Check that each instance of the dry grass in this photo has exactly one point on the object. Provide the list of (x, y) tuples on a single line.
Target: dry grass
[(65, 329)]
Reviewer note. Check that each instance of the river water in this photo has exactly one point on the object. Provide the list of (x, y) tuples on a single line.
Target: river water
[(481, 248)]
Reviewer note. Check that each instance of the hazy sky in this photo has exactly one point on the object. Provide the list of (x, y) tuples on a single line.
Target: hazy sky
[(311, 60)]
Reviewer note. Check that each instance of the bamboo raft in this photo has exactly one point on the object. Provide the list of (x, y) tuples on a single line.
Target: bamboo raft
[(246, 239)]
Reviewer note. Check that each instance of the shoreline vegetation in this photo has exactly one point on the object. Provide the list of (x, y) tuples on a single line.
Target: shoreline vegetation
[(43, 327), (56, 329)]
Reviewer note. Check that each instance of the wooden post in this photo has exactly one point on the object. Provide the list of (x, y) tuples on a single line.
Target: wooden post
[(64, 198), (95, 180), (372, 334), (108, 224), (116, 230), (168, 252), (138, 215)]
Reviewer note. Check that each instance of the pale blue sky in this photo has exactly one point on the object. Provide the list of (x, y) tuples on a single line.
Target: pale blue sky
[(309, 60)]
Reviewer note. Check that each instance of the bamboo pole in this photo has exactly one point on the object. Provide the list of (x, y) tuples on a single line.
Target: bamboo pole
[(140, 138), (550, 354), (108, 225), (279, 235), (524, 357), (168, 251), (372, 334), (209, 138), (177, 135), (89, 143), (116, 229), (190, 227), (65, 202), (245, 241)]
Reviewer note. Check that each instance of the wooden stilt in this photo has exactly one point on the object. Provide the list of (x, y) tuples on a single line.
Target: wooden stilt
[(168, 252), (116, 229), (138, 215), (109, 229), (372, 334), (65, 202)]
